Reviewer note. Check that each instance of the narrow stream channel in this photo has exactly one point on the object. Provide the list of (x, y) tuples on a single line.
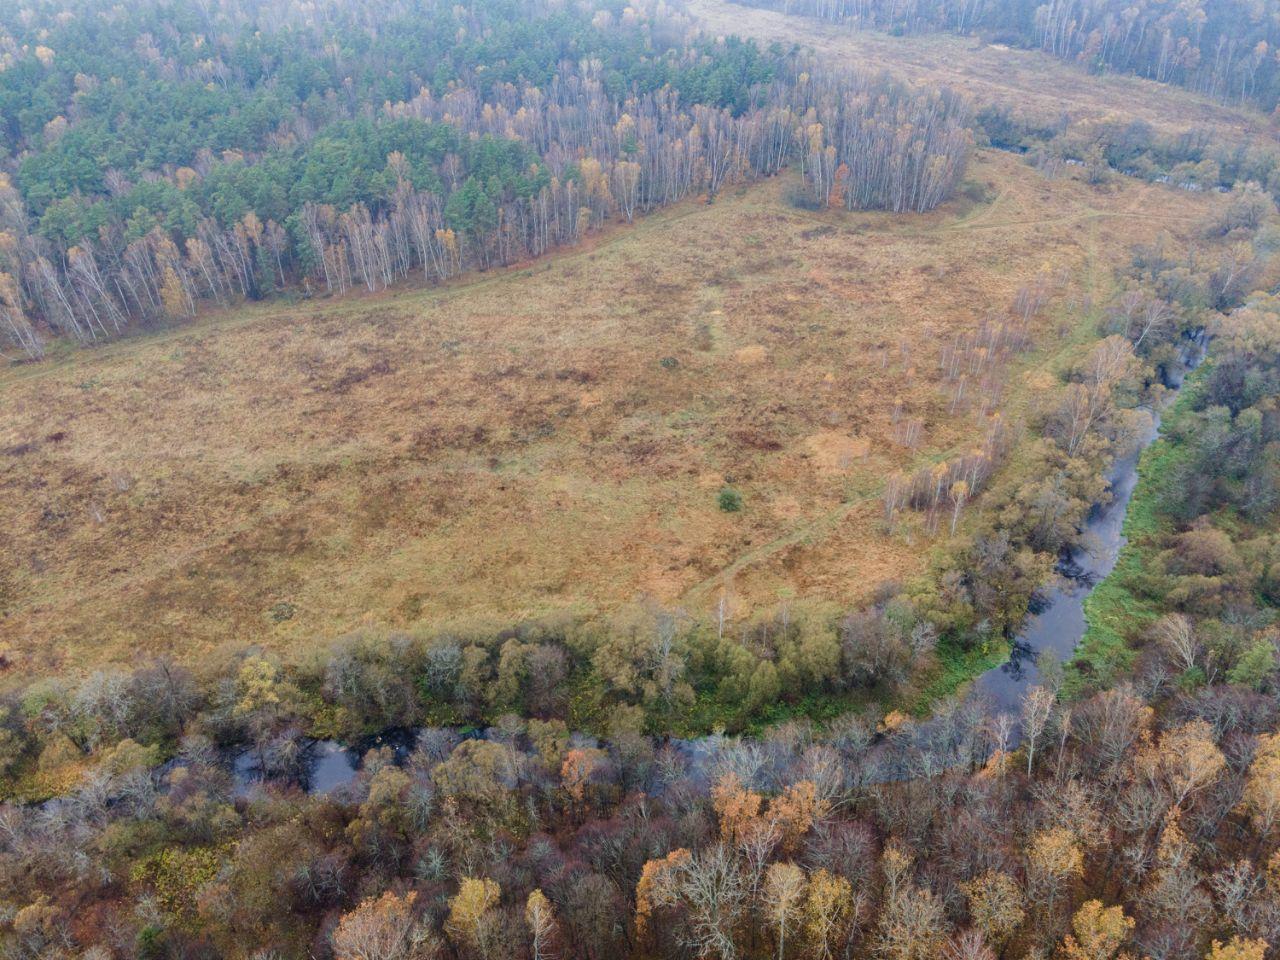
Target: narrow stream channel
[(1054, 629), (1058, 624)]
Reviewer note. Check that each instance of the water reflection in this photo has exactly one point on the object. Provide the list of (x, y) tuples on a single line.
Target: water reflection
[(1056, 623)]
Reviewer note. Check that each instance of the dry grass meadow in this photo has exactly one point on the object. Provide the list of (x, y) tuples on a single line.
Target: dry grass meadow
[(539, 439), (1031, 84)]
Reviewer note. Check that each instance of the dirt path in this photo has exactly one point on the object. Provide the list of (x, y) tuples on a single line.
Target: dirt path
[(810, 532)]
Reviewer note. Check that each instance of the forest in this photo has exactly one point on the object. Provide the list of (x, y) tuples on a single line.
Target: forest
[(224, 170), (806, 781), (542, 807)]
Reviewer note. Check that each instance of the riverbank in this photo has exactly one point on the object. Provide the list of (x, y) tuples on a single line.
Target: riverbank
[(997, 674), (1057, 627), (1060, 627), (1118, 608)]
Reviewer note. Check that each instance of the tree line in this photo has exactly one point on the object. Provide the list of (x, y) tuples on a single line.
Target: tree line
[(286, 165), (1139, 820), (1122, 811), (1193, 159), (1225, 49)]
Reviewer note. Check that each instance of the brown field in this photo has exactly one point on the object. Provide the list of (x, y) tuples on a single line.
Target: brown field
[(1027, 81), (533, 440)]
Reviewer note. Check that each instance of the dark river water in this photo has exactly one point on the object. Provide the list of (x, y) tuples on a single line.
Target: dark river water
[(1058, 623), (1054, 629)]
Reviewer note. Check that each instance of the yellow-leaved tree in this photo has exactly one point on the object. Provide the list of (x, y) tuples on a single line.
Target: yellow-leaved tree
[(1054, 862), (382, 928), (913, 924), (783, 896), (1098, 932), (997, 906), (1237, 948), (471, 914), (541, 921), (1262, 789), (828, 910)]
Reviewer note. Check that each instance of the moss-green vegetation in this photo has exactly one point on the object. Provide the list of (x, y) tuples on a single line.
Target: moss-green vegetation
[(1119, 608), (730, 500), (957, 666), (1195, 587)]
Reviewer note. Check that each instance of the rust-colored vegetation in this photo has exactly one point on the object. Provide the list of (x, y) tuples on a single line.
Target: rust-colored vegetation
[(545, 438)]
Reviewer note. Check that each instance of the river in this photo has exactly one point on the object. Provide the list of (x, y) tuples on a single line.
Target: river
[(1057, 624), (1054, 628)]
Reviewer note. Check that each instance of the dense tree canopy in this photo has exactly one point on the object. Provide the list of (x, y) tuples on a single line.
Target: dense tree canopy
[(165, 155), (162, 160)]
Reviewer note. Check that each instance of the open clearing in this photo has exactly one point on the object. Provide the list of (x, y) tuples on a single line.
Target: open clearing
[(1030, 83), (533, 440)]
